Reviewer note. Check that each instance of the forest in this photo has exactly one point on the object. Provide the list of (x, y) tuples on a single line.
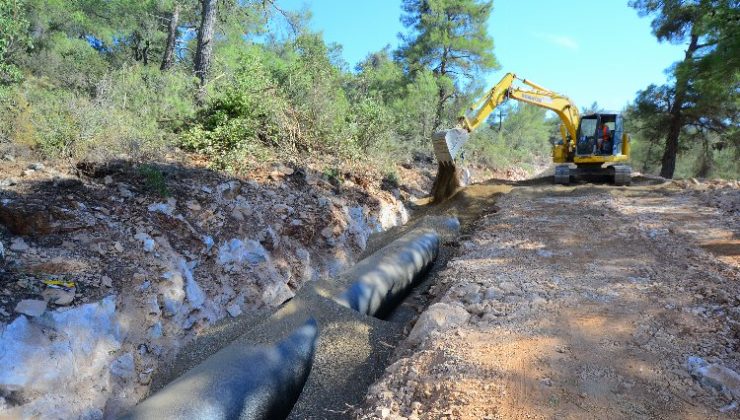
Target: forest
[(246, 82)]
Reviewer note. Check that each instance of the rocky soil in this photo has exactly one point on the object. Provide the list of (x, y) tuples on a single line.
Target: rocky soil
[(581, 302), (107, 270)]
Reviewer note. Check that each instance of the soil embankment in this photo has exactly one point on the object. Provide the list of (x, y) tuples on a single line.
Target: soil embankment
[(107, 270)]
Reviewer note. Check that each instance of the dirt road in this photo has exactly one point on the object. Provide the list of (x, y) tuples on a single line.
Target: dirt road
[(581, 302)]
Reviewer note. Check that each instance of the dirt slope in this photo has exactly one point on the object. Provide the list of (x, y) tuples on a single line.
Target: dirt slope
[(106, 270), (581, 302)]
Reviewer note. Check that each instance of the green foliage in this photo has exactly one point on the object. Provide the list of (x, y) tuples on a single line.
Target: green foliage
[(378, 77), (701, 154), (374, 125), (320, 110), (93, 87), (701, 104), (448, 36), (392, 113), (710, 158), (125, 117), (69, 63), (154, 180), (332, 173), (294, 103), (523, 140), (591, 109), (416, 109), (12, 37)]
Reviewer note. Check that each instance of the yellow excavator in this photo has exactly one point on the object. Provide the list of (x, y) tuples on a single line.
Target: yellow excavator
[(595, 144)]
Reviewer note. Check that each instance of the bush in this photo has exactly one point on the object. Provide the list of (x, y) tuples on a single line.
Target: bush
[(318, 107), (245, 118), (126, 116), (290, 100), (416, 107), (373, 124), (154, 180), (523, 140), (69, 63)]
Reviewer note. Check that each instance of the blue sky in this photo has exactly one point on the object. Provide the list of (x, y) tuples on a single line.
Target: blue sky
[(589, 50)]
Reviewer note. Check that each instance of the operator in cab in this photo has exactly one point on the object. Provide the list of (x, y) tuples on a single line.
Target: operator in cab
[(602, 138)]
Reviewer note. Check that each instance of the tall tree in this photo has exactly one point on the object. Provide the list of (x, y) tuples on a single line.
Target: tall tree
[(709, 69), (449, 37), (204, 49), (169, 50)]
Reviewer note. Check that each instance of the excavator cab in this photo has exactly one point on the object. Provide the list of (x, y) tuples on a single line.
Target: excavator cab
[(601, 150), (594, 140)]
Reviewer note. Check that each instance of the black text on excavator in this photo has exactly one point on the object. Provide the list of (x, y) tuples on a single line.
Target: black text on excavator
[(595, 144)]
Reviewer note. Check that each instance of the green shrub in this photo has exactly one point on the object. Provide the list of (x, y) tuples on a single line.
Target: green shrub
[(319, 109), (244, 118), (415, 109), (66, 62), (522, 141), (154, 180), (374, 124), (290, 100), (332, 174), (132, 113)]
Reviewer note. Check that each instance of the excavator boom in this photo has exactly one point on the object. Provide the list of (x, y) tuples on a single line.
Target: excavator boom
[(448, 143)]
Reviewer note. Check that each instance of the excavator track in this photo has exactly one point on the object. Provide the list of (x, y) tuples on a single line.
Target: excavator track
[(562, 174), (622, 175)]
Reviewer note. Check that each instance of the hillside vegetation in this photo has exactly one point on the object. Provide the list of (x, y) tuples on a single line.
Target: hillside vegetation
[(243, 83)]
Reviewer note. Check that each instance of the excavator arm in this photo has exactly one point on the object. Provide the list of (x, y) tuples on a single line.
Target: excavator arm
[(448, 143)]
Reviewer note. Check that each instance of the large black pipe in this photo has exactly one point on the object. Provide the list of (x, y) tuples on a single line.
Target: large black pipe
[(380, 281), (238, 382)]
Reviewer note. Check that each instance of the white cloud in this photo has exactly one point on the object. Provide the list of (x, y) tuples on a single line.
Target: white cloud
[(563, 41)]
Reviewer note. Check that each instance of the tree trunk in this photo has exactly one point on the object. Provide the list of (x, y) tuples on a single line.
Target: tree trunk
[(668, 163), (169, 50), (706, 161), (442, 94), (204, 51), (145, 53), (440, 109), (648, 157)]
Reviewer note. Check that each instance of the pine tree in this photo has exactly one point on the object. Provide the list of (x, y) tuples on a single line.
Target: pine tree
[(703, 93), (449, 37)]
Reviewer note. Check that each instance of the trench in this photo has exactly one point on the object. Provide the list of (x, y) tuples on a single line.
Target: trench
[(330, 367)]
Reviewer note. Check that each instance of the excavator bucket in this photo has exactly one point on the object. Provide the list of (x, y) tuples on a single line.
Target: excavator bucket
[(448, 144)]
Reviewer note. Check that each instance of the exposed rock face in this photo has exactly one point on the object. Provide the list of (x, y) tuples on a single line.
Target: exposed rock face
[(31, 307), (35, 217), (158, 269), (438, 317), (61, 362)]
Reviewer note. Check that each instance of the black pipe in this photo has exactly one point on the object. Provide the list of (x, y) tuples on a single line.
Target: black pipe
[(238, 382), (380, 281)]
